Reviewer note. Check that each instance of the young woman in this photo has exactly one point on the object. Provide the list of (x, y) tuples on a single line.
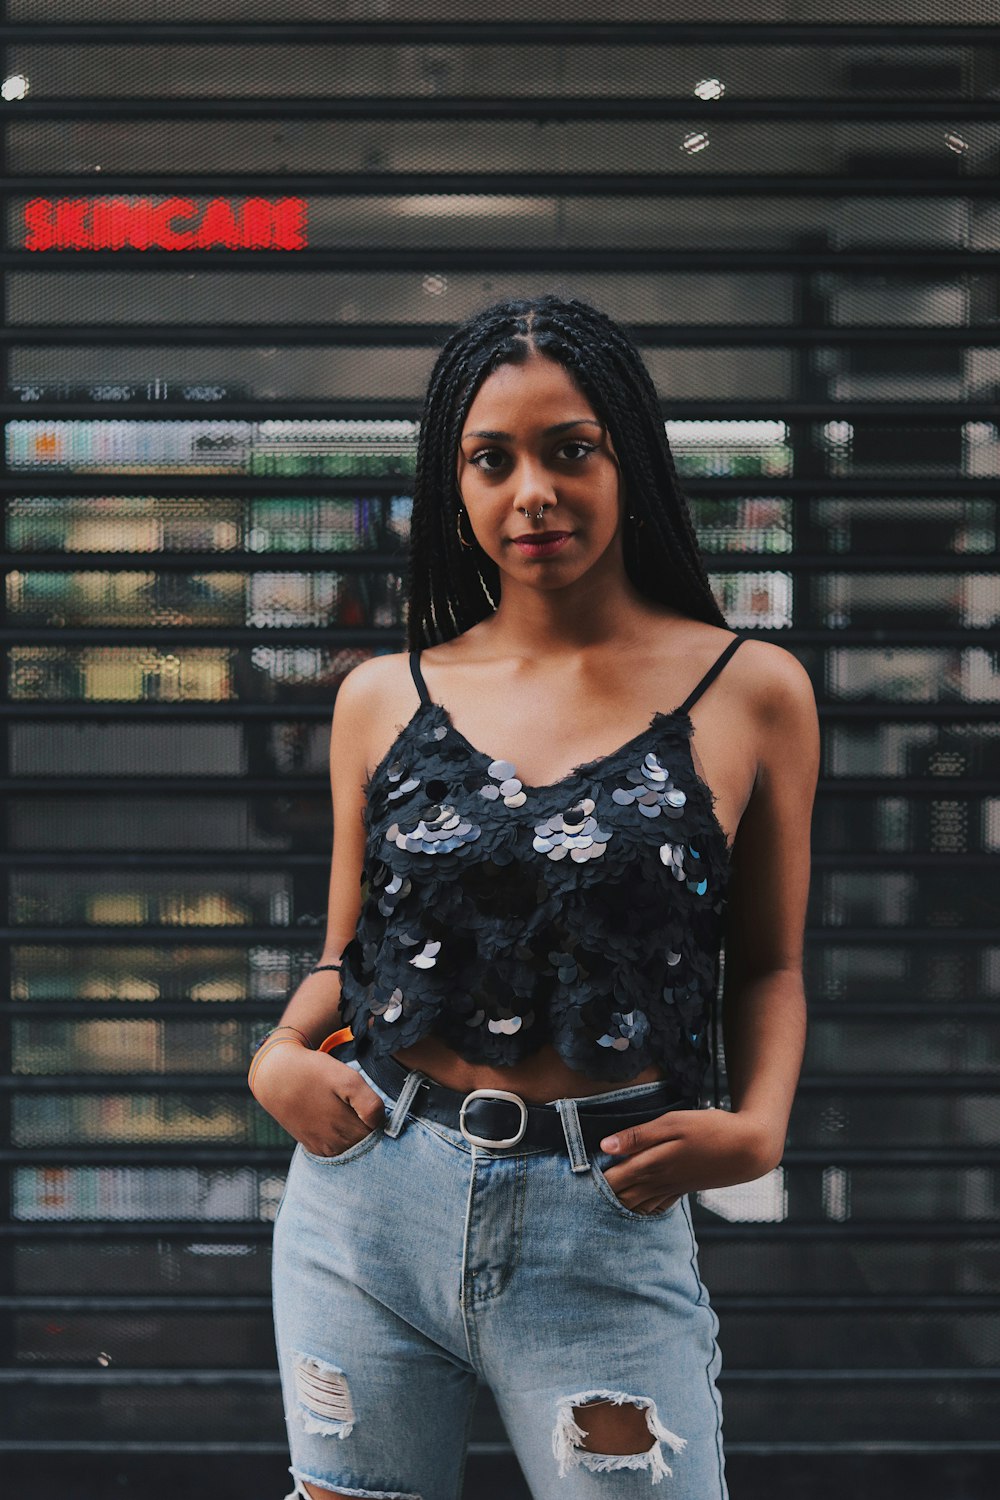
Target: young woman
[(533, 868)]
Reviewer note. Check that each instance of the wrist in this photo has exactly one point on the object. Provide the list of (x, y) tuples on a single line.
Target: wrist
[(270, 1043), (764, 1138)]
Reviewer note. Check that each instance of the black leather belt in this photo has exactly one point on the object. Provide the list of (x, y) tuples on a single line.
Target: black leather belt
[(501, 1120)]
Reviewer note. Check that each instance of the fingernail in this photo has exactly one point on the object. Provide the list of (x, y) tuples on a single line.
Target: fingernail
[(610, 1143)]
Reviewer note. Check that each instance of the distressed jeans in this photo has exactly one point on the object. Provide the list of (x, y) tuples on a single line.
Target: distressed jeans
[(415, 1265)]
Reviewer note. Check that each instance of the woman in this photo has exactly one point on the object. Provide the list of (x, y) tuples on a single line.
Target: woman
[(529, 882)]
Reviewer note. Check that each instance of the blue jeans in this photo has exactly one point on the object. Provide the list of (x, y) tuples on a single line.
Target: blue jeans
[(414, 1265)]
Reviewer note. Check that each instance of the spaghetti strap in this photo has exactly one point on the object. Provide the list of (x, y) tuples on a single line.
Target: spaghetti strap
[(418, 677), (710, 675)]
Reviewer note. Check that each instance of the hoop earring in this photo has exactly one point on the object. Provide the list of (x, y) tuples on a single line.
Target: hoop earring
[(458, 528)]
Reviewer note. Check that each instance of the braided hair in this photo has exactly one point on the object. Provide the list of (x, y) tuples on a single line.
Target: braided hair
[(450, 587)]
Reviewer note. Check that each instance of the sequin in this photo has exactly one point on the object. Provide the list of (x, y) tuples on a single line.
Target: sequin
[(404, 789), (574, 832), (488, 904), (395, 891), (443, 831), (654, 792), (626, 1028), (507, 1027), (390, 1010), (427, 957)]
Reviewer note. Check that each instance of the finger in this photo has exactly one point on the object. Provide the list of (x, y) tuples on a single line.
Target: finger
[(364, 1101), (624, 1180), (634, 1138), (656, 1205), (644, 1185)]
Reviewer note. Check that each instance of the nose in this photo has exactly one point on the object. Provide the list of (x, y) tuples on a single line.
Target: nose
[(533, 488)]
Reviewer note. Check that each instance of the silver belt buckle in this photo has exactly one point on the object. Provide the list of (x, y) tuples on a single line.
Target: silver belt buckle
[(482, 1140)]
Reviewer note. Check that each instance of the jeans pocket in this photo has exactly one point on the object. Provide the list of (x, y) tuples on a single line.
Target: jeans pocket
[(608, 1195), (350, 1153)]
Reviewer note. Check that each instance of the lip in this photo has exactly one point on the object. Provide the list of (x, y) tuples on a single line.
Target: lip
[(541, 543)]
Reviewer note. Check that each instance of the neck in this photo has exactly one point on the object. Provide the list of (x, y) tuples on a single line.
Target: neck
[(603, 607)]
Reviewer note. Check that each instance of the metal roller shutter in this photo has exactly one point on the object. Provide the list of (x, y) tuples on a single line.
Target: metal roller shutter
[(230, 251)]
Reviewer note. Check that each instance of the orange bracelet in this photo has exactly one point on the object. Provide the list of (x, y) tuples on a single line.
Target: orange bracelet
[(262, 1052)]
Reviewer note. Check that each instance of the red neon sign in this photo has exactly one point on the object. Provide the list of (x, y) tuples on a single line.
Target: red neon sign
[(165, 224)]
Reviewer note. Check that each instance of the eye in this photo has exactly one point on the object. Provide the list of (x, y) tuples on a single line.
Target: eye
[(585, 449), (486, 453)]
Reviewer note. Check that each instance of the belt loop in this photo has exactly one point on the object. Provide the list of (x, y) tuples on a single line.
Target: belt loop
[(401, 1108), (575, 1144)]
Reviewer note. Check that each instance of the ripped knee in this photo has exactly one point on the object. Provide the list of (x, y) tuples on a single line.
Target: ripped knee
[(606, 1430), (325, 1403), (326, 1406)]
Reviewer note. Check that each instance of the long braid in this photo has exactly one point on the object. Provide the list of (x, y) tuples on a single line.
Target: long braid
[(645, 457), (449, 585)]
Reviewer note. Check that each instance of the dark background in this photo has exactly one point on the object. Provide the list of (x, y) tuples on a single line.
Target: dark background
[(197, 547)]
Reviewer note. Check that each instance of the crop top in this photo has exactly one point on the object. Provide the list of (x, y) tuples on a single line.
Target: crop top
[(499, 916)]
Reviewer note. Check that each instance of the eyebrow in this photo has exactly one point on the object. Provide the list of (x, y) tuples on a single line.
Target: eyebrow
[(557, 427)]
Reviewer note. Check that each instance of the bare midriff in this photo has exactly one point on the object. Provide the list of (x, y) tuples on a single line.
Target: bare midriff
[(539, 1079)]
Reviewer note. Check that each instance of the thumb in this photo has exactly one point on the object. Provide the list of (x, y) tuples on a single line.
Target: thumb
[(626, 1142), (665, 1127)]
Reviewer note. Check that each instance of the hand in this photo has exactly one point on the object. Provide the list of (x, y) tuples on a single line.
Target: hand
[(325, 1105), (686, 1150)]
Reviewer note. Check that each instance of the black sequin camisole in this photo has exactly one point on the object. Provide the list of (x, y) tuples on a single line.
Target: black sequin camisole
[(500, 916)]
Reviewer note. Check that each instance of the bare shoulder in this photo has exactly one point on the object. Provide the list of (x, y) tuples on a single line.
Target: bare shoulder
[(373, 702), (780, 705), (776, 684), (373, 679)]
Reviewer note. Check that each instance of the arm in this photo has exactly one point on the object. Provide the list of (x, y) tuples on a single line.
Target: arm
[(314, 1007), (764, 1005), (316, 1098), (763, 991)]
